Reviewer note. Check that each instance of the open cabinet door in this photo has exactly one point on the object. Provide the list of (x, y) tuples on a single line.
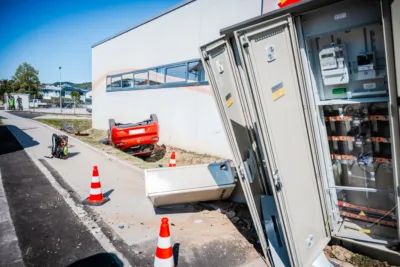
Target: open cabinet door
[(395, 12), (391, 9), (269, 54), (219, 64)]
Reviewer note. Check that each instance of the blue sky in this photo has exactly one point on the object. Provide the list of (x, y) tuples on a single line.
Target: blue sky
[(52, 33)]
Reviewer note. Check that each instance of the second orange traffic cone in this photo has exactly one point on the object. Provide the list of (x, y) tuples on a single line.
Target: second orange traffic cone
[(172, 160), (164, 256), (96, 197)]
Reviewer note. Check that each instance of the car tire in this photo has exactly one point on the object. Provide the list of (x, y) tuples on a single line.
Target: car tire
[(154, 117), (111, 124)]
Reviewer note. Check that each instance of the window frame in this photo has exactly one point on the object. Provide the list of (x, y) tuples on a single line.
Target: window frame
[(120, 81), (158, 86), (176, 66), (187, 73)]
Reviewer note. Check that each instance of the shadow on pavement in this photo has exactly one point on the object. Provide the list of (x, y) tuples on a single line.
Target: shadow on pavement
[(26, 114), (8, 144), (2, 118), (31, 128), (72, 154), (174, 209), (25, 139), (108, 193), (175, 252), (99, 260)]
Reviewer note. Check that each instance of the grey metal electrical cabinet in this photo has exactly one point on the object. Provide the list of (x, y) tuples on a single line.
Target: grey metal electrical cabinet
[(219, 62), (308, 99)]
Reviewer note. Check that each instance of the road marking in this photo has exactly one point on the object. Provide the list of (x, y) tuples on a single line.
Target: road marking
[(9, 239), (83, 216)]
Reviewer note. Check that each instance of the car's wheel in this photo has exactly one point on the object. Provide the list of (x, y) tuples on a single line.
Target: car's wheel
[(154, 117), (111, 124)]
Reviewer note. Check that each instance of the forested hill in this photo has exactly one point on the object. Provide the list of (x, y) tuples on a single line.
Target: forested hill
[(76, 85)]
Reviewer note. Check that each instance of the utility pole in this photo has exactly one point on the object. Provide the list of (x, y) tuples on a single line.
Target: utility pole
[(60, 91), (4, 99)]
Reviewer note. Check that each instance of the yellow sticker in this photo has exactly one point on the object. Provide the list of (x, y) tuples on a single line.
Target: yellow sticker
[(229, 100), (362, 213), (278, 91)]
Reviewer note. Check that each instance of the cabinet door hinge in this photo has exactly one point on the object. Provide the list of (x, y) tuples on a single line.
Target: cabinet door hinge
[(277, 180)]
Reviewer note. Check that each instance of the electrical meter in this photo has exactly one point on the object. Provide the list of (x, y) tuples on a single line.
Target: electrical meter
[(366, 63), (333, 63)]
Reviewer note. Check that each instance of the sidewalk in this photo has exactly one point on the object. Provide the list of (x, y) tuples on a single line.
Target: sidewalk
[(76, 111), (42, 115), (203, 239)]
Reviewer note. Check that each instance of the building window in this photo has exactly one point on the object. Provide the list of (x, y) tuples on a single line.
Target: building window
[(108, 82), (176, 74), (157, 76), (196, 72), (127, 80), (172, 75), (141, 79), (116, 82)]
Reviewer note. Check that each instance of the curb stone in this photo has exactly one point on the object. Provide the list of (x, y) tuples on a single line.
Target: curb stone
[(136, 169)]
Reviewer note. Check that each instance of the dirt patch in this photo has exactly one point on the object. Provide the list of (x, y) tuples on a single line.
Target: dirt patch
[(237, 213), (160, 158), (223, 217), (343, 257)]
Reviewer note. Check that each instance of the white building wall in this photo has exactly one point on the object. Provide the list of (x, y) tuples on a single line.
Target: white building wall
[(24, 97), (188, 115)]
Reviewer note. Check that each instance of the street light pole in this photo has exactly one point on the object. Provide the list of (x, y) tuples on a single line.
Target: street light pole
[(1, 83), (60, 91)]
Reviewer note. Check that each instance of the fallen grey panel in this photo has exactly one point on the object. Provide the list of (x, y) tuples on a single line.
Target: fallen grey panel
[(187, 184), (68, 127)]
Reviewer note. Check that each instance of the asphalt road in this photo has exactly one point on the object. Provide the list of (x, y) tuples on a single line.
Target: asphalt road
[(41, 230)]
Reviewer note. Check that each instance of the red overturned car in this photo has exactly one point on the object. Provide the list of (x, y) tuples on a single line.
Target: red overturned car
[(137, 139)]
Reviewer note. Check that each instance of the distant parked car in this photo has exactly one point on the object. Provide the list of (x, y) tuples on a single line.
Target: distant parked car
[(37, 103), (89, 108)]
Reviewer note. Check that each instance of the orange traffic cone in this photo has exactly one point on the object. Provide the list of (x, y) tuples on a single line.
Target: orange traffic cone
[(164, 256), (96, 197), (172, 160)]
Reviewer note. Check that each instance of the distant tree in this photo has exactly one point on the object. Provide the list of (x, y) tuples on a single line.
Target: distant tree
[(26, 78), (21, 91), (6, 86), (63, 83), (76, 97), (83, 85)]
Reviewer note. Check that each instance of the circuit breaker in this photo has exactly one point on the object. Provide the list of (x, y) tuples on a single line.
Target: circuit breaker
[(366, 65)]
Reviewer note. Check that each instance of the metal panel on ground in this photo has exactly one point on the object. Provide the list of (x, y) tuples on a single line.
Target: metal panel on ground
[(268, 53), (187, 184)]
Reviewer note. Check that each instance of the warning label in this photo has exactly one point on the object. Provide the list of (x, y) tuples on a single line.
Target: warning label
[(278, 91), (229, 100)]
